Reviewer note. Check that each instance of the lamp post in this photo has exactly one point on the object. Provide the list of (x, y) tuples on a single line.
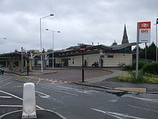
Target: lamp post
[(53, 45), (41, 39), (156, 41)]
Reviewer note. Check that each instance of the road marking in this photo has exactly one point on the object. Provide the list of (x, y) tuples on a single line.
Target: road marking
[(38, 82), (7, 84), (11, 95), (6, 79), (116, 115), (66, 92), (53, 81), (144, 99), (143, 108), (18, 98), (30, 78), (6, 97), (65, 87), (42, 95), (18, 86), (10, 105), (78, 90)]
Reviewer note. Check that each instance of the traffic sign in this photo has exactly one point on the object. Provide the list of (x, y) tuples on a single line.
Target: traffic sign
[(82, 48)]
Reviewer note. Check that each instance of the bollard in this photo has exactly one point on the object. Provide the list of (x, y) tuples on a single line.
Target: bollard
[(29, 101)]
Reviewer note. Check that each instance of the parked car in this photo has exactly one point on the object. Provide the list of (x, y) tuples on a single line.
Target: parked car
[(1, 70)]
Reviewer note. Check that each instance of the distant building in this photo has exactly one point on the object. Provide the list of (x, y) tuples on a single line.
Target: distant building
[(105, 56), (102, 55)]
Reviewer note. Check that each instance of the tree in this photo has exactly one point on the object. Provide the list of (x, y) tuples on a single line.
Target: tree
[(151, 52)]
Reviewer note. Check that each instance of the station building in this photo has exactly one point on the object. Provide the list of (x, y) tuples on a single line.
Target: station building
[(105, 56), (102, 55)]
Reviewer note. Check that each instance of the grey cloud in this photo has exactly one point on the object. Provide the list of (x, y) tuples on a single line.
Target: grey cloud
[(79, 21)]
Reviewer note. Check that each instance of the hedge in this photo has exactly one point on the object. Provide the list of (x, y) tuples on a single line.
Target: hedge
[(140, 65), (151, 68)]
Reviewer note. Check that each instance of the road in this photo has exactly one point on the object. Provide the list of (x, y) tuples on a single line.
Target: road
[(76, 102)]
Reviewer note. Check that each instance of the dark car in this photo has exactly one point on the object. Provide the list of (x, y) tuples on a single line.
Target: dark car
[(1, 70)]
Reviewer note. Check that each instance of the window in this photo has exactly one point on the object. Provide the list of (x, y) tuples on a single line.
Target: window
[(110, 56)]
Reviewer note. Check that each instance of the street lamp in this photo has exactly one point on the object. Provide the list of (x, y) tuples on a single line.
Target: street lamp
[(156, 40), (41, 39), (53, 45)]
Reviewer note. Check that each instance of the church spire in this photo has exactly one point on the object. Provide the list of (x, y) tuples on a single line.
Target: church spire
[(125, 37)]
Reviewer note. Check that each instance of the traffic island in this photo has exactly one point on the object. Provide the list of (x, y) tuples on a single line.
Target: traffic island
[(29, 107), (41, 114)]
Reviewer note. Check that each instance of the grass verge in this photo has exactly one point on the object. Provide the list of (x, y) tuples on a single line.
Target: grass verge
[(142, 78)]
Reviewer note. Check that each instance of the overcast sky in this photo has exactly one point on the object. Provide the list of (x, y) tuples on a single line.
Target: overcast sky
[(79, 21)]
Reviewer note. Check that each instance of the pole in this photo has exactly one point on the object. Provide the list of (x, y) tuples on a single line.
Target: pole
[(82, 67), (146, 52), (22, 60), (41, 46), (28, 66), (53, 39), (41, 40), (137, 52), (156, 44)]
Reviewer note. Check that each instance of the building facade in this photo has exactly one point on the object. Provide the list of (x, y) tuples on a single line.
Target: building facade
[(104, 56), (94, 56)]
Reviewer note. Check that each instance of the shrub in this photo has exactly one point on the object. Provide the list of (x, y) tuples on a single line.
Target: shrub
[(151, 68), (127, 68), (140, 65), (140, 77)]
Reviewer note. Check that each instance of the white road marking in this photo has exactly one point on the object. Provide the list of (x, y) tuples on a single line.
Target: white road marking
[(116, 115), (79, 90), (62, 90), (144, 99), (6, 97), (65, 87), (11, 95), (10, 105), (66, 92), (42, 95), (143, 108), (113, 100), (18, 98)]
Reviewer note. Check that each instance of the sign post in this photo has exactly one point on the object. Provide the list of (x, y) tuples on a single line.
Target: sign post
[(22, 60), (82, 49), (143, 36)]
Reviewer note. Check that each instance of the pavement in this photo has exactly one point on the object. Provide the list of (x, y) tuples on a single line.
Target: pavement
[(102, 81)]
